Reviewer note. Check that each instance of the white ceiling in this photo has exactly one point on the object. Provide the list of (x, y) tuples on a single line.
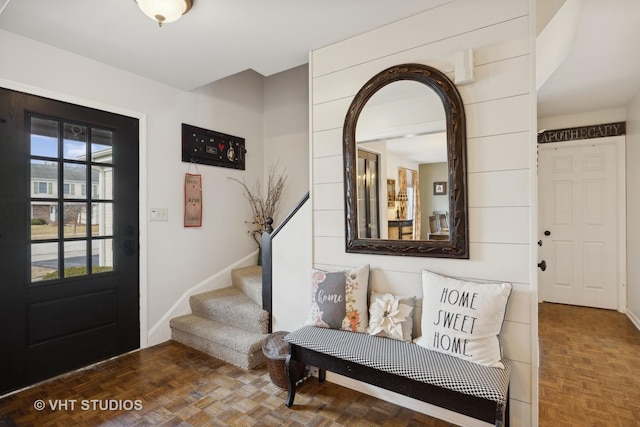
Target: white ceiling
[(215, 39), (218, 38), (603, 70)]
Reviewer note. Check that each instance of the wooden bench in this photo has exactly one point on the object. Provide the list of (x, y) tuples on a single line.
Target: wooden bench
[(464, 387)]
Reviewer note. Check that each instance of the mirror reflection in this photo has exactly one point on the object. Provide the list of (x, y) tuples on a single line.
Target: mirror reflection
[(391, 197), (402, 167)]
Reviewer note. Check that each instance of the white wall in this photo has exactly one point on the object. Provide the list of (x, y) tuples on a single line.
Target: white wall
[(287, 143), (582, 119), (173, 259), (292, 266), (500, 108), (633, 211), (286, 132)]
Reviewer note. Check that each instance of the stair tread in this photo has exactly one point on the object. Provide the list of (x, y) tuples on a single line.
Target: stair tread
[(229, 336), (230, 293), (249, 271), (230, 306)]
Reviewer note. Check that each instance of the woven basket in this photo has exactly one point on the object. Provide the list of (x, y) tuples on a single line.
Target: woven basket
[(276, 350)]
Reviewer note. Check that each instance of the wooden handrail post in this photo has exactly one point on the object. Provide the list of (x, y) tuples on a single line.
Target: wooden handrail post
[(267, 272)]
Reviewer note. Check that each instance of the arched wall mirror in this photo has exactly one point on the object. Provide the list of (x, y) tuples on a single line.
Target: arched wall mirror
[(404, 143)]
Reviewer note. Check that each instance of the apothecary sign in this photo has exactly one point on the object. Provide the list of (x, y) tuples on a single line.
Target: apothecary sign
[(582, 132)]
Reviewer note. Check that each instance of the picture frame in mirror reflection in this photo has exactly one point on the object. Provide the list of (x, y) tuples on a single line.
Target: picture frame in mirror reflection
[(391, 193), (439, 188)]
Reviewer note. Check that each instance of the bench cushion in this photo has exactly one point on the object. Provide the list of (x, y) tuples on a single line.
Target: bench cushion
[(407, 360)]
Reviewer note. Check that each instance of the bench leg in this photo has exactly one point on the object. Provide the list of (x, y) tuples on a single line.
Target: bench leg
[(322, 375), (290, 370), (506, 411), (502, 419)]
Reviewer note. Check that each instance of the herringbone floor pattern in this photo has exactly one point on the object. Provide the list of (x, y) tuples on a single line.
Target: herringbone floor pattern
[(589, 367), (589, 376)]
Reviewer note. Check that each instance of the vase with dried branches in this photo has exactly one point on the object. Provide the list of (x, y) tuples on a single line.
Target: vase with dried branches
[(263, 208)]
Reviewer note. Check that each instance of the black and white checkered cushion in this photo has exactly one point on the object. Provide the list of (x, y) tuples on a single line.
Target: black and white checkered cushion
[(407, 360)]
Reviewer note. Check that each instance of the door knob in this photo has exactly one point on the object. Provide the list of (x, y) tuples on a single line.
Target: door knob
[(547, 233), (542, 265)]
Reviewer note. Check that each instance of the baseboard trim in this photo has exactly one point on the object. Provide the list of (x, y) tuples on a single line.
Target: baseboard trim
[(634, 319), (161, 332)]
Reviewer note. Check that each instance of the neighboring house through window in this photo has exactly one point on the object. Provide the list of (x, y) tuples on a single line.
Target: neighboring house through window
[(40, 187), (44, 184)]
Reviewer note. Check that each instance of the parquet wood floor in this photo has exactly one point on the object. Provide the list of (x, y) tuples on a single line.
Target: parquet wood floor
[(179, 386), (589, 367), (589, 376)]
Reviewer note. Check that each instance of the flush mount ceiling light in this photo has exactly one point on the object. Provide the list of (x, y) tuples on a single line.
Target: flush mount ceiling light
[(163, 11)]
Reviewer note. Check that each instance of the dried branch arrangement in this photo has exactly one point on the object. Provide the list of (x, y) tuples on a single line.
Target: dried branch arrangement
[(263, 208)]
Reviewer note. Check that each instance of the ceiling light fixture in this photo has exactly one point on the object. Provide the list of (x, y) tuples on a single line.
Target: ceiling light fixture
[(163, 11)]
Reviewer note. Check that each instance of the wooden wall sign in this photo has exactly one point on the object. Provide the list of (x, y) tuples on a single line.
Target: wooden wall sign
[(212, 148), (192, 200), (583, 132)]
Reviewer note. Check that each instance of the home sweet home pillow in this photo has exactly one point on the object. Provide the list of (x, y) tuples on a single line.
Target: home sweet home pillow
[(462, 318), (339, 299)]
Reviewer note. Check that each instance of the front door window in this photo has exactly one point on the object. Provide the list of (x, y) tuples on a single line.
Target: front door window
[(71, 199)]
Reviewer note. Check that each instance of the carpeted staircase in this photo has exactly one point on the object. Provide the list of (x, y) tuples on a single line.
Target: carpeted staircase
[(228, 323)]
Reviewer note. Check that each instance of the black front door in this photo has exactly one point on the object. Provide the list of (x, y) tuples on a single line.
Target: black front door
[(69, 265)]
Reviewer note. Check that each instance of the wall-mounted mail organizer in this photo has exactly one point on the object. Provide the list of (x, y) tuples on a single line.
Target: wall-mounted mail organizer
[(208, 147)]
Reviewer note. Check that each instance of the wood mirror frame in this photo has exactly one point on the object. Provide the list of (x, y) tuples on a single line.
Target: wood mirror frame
[(458, 244)]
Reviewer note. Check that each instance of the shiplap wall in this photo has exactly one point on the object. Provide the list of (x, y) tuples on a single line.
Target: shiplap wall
[(499, 108)]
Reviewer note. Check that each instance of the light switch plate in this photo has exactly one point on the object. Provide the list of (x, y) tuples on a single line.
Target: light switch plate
[(159, 214)]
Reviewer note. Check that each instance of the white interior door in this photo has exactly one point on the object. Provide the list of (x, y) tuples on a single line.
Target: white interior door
[(581, 207)]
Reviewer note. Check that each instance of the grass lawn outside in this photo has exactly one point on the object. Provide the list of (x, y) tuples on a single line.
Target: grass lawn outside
[(41, 232)]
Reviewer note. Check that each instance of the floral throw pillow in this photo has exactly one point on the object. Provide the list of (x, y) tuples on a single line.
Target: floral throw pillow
[(391, 316), (339, 299)]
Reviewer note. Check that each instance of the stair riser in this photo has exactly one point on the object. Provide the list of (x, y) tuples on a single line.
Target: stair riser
[(249, 281), (226, 335), (228, 355), (241, 315)]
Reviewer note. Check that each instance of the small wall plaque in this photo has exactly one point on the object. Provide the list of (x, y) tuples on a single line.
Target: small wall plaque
[(212, 148)]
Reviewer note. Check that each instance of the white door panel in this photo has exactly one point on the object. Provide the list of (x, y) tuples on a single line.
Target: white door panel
[(579, 202)]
